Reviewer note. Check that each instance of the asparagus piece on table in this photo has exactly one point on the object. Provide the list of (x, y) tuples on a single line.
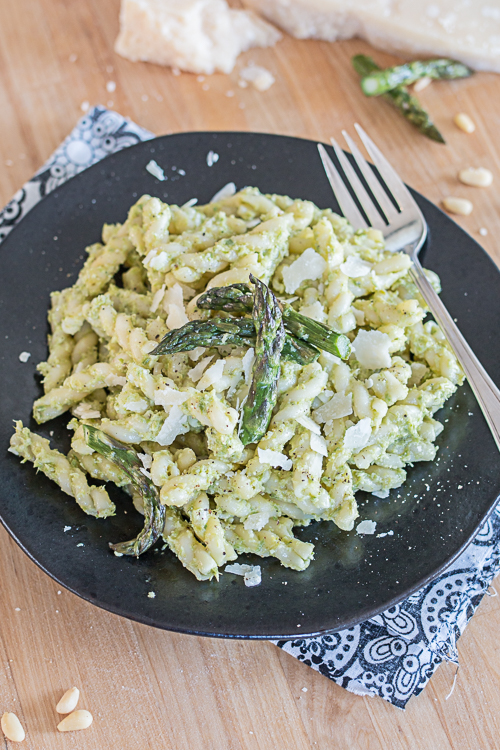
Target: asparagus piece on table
[(381, 81), (237, 298), (408, 105), (129, 463), (232, 332), (263, 392)]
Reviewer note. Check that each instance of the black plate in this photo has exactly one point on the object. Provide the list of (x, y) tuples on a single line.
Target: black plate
[(352, 578)]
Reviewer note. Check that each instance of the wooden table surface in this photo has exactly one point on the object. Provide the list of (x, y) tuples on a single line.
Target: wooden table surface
[(152, 690)]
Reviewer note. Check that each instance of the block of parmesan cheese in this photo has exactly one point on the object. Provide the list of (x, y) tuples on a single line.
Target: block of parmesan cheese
[(200, 36), (466, 30)]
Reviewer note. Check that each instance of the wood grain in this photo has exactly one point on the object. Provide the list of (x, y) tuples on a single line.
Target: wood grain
[(152, 690)]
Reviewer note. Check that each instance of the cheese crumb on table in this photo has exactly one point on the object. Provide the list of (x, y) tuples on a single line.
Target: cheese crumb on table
[(24, 356), (260, 78), (199, 36)]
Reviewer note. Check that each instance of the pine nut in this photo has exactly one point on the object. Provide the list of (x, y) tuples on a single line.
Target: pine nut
[(68, 702), (464, 122), (460, 206), (77, 720), (12, 728), (479, 177), (422, 84)]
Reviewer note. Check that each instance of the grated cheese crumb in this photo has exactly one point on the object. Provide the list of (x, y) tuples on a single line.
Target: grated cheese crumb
[(212, 158), (151, 594), (24, 356)]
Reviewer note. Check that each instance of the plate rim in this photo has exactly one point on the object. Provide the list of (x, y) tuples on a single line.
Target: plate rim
[(367, 614)]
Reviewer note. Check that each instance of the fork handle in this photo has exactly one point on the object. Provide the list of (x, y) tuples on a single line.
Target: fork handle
[(485, 390)]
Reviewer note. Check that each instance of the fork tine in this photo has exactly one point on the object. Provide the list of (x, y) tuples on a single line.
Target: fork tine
[(344, 199), (372, 181), (399, 191), (366, 202)]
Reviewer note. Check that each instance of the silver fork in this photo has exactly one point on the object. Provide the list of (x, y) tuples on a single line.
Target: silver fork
[(405, 230)]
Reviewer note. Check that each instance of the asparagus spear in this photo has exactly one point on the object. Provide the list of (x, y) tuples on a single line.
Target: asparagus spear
[(129, 463), (214, 332), (263, 392), (236, 298), (233, 332), (381, 81), (408, 105)]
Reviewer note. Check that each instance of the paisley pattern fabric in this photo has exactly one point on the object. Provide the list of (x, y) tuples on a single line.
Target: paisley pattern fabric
[(394, 654), (99, 133)]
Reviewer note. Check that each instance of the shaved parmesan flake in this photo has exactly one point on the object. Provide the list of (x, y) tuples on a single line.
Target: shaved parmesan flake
[(308, 423), (85, 411), (169, 397), (225, 192), (157, 261), (381, 493), (212, 375), (314, 311), (157, 298), (357, 436), (256, 521), (173, 305), (310, 265), (354, 267), (371, 349), (252, 574), (175, 424), (173, 296), (153, 168), (145, 472), (318, 444), (196, 373), (116, 380), (274, 459), (247, 362), (145, 459), (338, 406), (366, 527), (138, 406), (24, 356), (190, 203), (196, 353)]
